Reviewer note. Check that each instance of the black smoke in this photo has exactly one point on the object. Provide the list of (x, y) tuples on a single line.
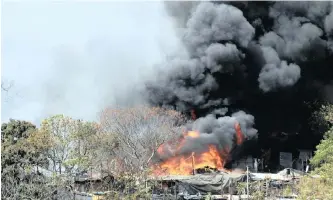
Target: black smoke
[(269, 60)]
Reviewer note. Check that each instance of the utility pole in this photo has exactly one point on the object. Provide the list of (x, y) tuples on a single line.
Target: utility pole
[(247, 181)]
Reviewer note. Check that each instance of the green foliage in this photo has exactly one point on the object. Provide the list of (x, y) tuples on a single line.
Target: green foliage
[(255, 189), (320, 121), (16, 130), (129, 187), (324, 152), (258, 195), (327, 111), (313, 188), (323, 159), (287, 191), (208, 196), (241, 188), (15, 146), (124, 141), (20, 156), (319, 185), (72, 140)]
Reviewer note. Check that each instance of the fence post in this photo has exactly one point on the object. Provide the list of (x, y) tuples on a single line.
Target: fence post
[(231, 191), (266, 188), (176, 189), (247, 181)]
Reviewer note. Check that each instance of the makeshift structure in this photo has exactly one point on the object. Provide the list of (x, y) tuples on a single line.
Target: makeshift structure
[(204, 183), (221, 183)]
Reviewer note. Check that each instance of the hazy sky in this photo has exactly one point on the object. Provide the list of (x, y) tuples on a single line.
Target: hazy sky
[(76, 58)]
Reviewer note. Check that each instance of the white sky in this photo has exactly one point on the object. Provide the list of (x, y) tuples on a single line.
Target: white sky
[(76, 58)]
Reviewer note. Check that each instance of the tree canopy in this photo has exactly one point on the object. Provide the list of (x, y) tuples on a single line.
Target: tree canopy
[(36, 162), (319, 185), (22, 150)]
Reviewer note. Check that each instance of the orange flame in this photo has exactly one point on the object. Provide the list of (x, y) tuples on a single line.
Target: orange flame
[(182, 165), (185, 164), (192, 134)]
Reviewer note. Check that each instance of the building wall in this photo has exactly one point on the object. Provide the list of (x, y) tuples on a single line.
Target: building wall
[(303, 159), (286, 159), (246, 162)]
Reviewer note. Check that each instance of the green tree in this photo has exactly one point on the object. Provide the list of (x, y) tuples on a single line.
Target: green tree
[(84, 144), (71, 143), (18, 146), (22, 152), (323, 159), (319, 185)]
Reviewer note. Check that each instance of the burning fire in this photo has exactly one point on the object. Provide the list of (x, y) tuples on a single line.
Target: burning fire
[(192, 134), (186, 164)]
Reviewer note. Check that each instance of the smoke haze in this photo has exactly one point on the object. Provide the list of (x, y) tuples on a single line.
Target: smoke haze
[(76, 58)]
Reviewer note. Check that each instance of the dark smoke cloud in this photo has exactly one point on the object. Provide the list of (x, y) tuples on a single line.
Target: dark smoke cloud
[(190, 79), (212, 23), (219, 131), (269, 59), (277, 73), (220, 111)]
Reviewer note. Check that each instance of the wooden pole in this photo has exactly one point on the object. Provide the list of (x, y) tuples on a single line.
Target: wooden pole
[(91, 178), (176, 190), (231, 191), (266, 187), (193, 169), (247, 181), (222, 188)]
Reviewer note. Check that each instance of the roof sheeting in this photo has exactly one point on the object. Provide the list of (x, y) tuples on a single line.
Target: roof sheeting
[(213, 183), (285, 174), (204, 183)]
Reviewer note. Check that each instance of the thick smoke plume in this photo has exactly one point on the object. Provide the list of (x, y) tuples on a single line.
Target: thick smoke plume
[(219, 131), (267, 62)]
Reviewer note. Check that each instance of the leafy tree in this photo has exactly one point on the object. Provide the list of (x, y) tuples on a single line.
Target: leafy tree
[(320, 187), (18, 146), (71, 143), (84, 143), (22, 152), (59, 128), (323, 158), (125, 141)]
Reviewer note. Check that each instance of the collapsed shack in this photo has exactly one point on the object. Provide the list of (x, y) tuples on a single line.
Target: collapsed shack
[(223, 185), (92, 186), (93, 182)]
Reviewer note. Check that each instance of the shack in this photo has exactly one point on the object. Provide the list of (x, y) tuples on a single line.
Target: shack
[(93, 181), (224, 184)]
